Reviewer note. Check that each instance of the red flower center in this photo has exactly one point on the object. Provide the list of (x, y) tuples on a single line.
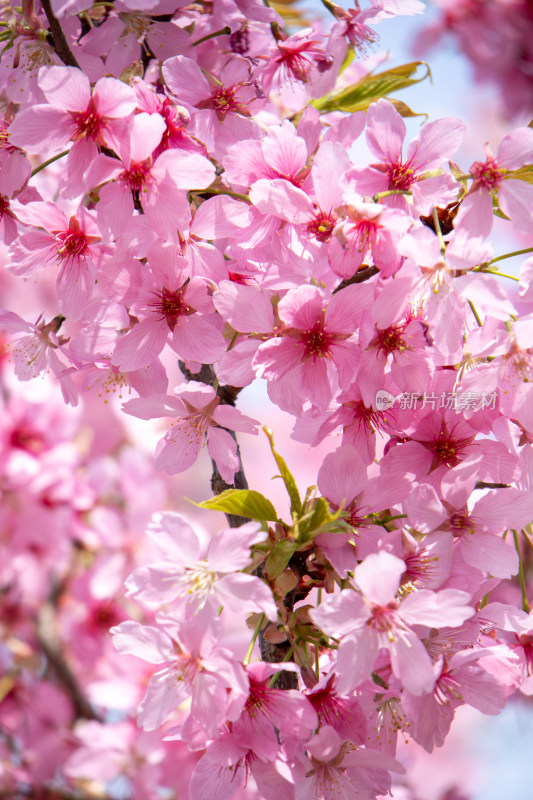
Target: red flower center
[(390, 340), (461, 523), (89, 123), (73, 242), (137, 176), (448, 448), (401, 176), (317, 341), (224, 101), (321, 227), (170, 306), (486, 174)]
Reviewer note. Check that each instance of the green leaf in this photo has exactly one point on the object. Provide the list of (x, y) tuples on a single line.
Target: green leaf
[(359, 96), (321, 520), (321, 514), (279, 557), (499, 213), (522, 174), (379, 680), (405, 111), (287, 477), (242, 503)]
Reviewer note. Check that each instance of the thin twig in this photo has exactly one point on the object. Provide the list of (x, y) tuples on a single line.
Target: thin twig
[(51, 645), (359, 277), (270, 653), (50, 790), (486, 485), (59, 41)]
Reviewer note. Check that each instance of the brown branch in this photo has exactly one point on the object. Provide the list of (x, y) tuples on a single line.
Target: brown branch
[(270, 653), (485, 485), (360, 277), (51, 645), (50, 791), (59, 41)]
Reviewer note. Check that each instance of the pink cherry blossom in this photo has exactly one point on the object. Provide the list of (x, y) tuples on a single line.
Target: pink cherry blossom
[(436, 143), (370, 231), (375, 619), (198, 414), (193, 665), (316, 341), (74, 113), (74, 245), (193, 581), (495, 175), (167, 307)]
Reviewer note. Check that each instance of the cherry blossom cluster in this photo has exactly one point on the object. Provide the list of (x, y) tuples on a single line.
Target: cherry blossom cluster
[(178, 185), (74, 509), (495, 35)]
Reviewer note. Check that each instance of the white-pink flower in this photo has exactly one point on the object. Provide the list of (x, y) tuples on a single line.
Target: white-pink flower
[(198, 413), (193, 664), (373, 617), (435, 144), (191, 578), (515, 196), (74, 113)]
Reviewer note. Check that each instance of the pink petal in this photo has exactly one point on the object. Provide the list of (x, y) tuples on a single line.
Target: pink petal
[(163, 405), (186, 80), (220, 217), (162, 697), (280, 198), (277, 357), (140, 346), (355, 659), (14, 172), (187, 170), (437, 142), (424, 508), (230, 548), (378, 577), (490, 553), (246, 308), (345, 309), (143, 641), (229, 417), (516, 200), (196, 339), (316, 383), (241, 593), (114, 98), (330, 163), (385, 131), (411, 663), (66, 88), (302, 307), (516, 149), (504, 508), (446, 608), (341, 613), (176, 538), (342, 475), (179, 448), (41, 128), (475, 213), (284, 151), (145, 134), (223, 450)]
